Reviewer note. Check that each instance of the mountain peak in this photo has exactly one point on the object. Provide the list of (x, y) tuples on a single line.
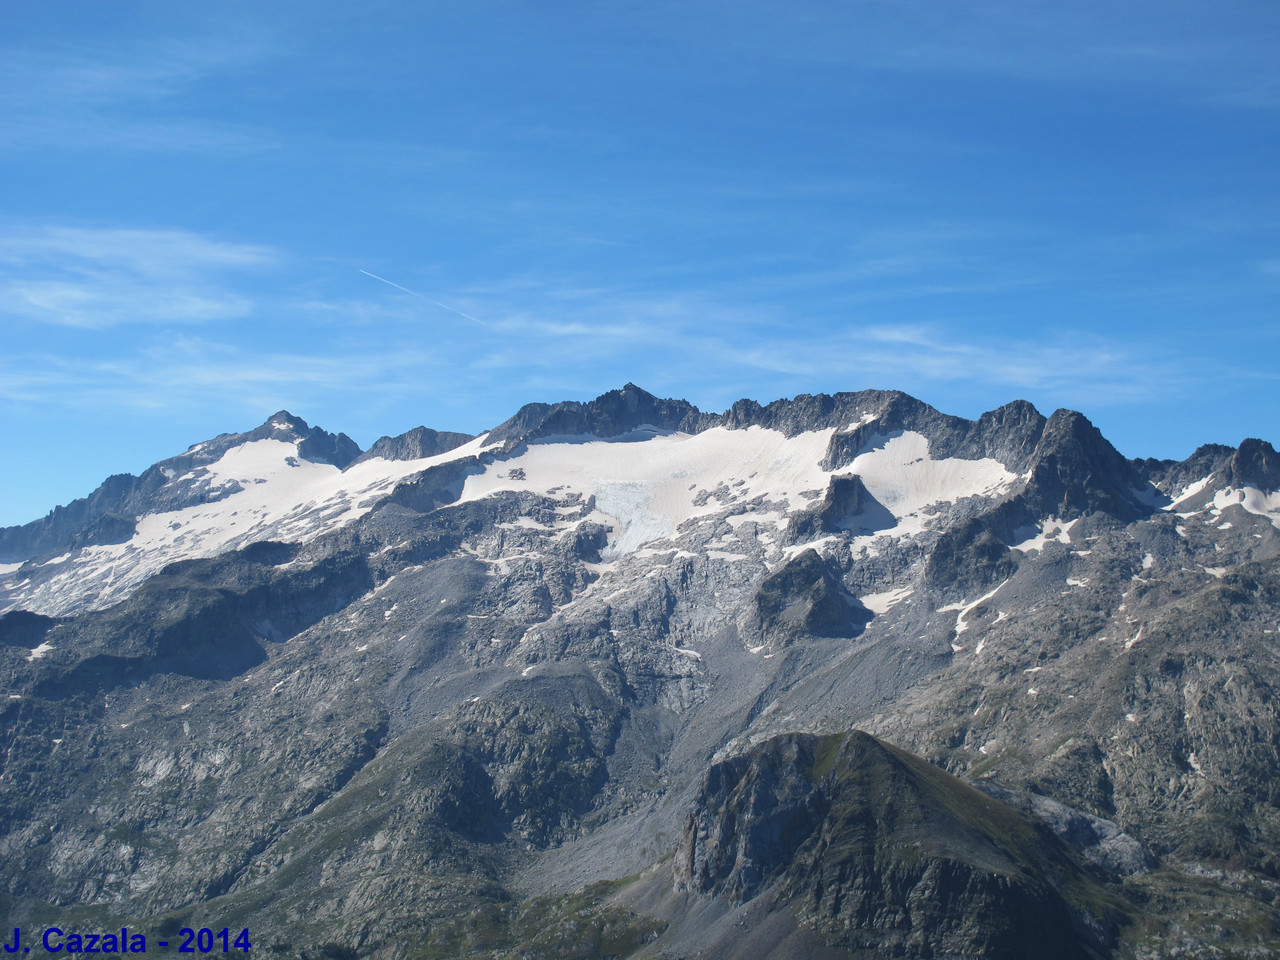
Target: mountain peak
[(414, 445), (609, 415), (1077, 471), (1256, 464), (283, 418)]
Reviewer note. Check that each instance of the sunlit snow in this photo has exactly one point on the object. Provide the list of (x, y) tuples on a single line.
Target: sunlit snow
[(645, 490), (283, 497), (880, 603), (1187, 492), (1051, 530), (1253, 500), (962, 623), (899, 472)]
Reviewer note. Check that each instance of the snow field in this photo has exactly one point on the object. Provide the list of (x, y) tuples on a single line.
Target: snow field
[(283, 497), (647, 489)]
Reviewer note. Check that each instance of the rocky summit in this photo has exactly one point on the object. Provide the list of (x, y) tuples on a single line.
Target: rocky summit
[(835, 677)]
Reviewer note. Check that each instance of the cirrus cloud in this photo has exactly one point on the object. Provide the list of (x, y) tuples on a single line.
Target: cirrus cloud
[(102, 277)]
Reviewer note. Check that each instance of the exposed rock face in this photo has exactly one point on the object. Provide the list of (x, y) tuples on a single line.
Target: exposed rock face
[(93, 519), (753, 813), (1076, 471), (881, 852), (357, 704), (804, 598), (19, 628), (1256, 464), (1098, 840), (416, 444), (615, 413)]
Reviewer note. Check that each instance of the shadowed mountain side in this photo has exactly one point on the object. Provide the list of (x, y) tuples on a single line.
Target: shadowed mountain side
[(804, 597), (609, 415), (878, 853), (414, 444)]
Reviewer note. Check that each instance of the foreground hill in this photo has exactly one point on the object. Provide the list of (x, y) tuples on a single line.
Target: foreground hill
[(424, 699)]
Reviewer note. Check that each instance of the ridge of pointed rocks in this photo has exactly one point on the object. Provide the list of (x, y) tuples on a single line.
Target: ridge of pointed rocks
[(589, 681)]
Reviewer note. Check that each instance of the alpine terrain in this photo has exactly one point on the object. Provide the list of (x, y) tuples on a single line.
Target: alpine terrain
[(836, 677)]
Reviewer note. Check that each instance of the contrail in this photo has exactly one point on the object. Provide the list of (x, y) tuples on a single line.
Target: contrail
[(442, 306)]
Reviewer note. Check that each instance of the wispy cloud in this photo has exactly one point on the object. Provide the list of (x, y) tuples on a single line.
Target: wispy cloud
[(696, 338), (95, 278), (1218, 56), (1072, 368), (198, 372), (126, 98)]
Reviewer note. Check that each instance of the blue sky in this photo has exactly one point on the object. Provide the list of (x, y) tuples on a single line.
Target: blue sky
[(394, 214)]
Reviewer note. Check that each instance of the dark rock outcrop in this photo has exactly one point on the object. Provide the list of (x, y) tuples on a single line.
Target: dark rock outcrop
[(20, 628), (879, 851), (612, 414), (415, 444), (803, 597), (1076, 472)]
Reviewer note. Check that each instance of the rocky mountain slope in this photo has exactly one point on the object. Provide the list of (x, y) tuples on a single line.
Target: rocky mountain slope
[(583, 686)]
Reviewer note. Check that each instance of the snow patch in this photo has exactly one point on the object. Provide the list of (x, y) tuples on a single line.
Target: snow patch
[(724, 555), (39, 651), (880, 603), (906, 480), (1260, 503), (524, 523), (818, 546), (1187, 492), (962, 623), (1050, 530), (861, 421)]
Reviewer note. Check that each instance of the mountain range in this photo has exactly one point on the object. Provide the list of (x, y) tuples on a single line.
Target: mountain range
[(837, 676)]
